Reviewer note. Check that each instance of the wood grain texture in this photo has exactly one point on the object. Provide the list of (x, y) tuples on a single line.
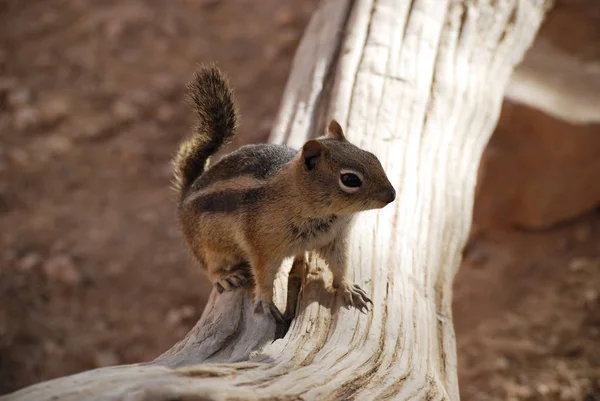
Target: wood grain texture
[(420, 84)]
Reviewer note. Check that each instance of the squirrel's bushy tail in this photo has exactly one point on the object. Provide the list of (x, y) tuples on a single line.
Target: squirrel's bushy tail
[(217, 123)]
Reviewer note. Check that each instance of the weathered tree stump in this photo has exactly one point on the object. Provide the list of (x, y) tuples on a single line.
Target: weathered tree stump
[(419, 83)]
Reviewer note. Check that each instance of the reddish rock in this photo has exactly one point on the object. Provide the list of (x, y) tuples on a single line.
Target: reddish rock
[(537, 171)]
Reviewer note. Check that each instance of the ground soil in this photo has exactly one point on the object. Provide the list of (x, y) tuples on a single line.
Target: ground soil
[(93, 269), (527, 314)]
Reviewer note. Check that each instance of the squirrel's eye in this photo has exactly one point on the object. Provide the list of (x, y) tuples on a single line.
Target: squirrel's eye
[(350, 181)]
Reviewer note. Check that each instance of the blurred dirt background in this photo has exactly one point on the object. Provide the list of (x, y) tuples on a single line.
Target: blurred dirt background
[(93, 269)]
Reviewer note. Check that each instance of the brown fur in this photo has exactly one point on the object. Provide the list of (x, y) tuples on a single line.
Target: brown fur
[(263, 203), (217, 122)]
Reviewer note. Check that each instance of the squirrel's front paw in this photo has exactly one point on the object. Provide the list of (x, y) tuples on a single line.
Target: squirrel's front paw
[(269, 309), (354, 296)]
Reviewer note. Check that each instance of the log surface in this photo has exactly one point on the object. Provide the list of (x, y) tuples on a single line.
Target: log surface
[(419, 83)]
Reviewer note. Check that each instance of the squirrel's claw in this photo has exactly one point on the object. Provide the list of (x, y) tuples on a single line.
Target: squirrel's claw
[(233, 281), (355, 296)]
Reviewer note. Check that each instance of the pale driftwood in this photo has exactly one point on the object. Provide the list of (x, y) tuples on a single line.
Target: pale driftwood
[(565, 86), (419, 83)]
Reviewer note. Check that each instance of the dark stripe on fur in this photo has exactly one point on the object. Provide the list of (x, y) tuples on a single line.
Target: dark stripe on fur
[(259, 161), (228, 201)]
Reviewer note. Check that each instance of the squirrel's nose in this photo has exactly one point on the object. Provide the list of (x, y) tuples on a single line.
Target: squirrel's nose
[(391, 195)]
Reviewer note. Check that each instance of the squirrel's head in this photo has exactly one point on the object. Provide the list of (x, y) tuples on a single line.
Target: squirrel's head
[(340, 177)]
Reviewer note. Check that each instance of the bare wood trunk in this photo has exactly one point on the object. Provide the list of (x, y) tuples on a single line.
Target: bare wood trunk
[(419, 83)]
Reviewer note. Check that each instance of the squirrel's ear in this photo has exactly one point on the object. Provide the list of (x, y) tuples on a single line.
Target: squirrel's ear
[(312, 152), (335, 131)]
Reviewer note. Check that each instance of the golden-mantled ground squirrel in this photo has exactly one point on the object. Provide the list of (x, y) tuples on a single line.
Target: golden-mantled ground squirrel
[(262, 203)]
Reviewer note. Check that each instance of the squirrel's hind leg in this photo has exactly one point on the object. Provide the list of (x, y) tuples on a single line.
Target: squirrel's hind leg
[(264, 276)]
